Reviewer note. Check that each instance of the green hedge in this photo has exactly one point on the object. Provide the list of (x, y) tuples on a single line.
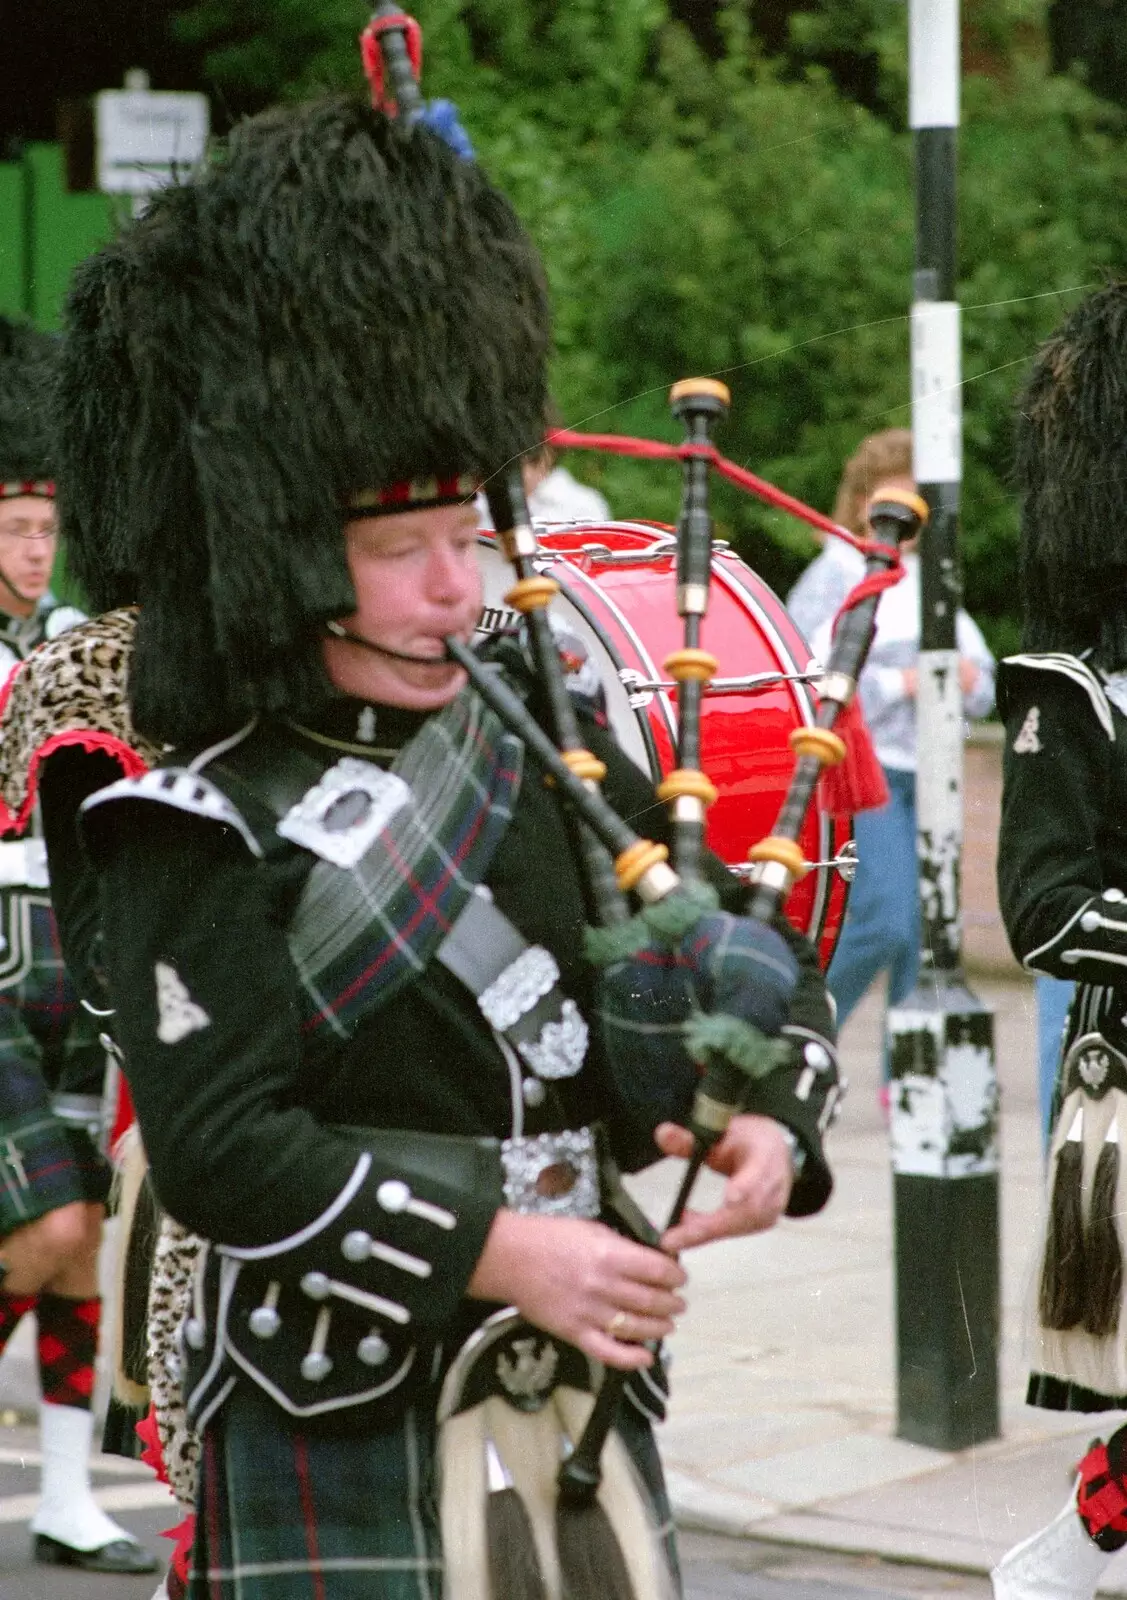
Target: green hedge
[(743, 217)]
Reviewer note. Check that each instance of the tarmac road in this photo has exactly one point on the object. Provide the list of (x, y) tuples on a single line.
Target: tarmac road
[(716, 1568)]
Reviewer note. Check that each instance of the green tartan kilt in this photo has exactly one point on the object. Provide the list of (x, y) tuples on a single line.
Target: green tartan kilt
[(45, 1164), (46, 1041), (286, 1515)]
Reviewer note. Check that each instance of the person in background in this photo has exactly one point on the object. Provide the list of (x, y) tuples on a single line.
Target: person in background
[(1054, 997), (882, 924), (53, 1181), (555, 496)]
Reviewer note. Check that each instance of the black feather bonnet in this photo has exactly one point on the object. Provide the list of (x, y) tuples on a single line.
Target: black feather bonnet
[(1071, 468), (337, 303), (27, 360)]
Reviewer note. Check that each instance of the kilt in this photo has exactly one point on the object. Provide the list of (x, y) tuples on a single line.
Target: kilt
[(287, 1515), (47, 1041)]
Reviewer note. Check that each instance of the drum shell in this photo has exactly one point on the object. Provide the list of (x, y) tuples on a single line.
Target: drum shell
[(618, 594)]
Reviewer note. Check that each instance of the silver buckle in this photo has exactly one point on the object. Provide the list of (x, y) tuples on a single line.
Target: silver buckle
[(345, 811), (552, 1174)]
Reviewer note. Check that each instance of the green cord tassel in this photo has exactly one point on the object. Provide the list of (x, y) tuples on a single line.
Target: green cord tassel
[(671, 919), (720, 1034)]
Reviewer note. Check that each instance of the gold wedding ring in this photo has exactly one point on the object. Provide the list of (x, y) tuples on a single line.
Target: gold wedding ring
[(616, 1324)]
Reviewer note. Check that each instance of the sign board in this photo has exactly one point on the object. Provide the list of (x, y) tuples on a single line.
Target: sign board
[(145, 137)]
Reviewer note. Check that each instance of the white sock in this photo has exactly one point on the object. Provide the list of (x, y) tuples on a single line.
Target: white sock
[(1059, 1562), (67, 1510)]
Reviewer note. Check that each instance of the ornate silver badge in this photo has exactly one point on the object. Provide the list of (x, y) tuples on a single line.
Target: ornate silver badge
[(1093, 1068), (516, 990), (527, 1375), (178, 1014), (345, 811), (560, 1050)]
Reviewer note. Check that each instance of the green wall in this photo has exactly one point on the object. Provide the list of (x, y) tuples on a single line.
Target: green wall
[(44, 233)]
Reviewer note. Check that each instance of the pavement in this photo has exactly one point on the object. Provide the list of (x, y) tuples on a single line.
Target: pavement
[(782, 1426), (783, 1420)]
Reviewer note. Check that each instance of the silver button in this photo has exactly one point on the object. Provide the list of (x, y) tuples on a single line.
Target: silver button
[(315, 1367), (195, 1334), (533, 1092), (1114, 896), (817, 1056), (264, 1322), (373, 1350), (356, 1246), (1090, 921), (315, 1285), (394, 1195)]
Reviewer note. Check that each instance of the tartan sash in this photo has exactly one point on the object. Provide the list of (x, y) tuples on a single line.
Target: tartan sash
[(361, 932)]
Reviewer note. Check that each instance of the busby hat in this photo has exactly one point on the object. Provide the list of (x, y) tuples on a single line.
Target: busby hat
[(336, 306), (27, 359), (1071, 470), (95, 405)]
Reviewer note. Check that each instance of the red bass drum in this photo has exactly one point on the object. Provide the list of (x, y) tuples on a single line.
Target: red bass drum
[(618, 594)]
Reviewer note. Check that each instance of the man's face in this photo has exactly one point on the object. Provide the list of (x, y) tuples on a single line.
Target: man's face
[(28, 532), (417, 580)]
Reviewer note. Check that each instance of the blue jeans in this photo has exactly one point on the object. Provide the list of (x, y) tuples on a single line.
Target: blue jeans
[(1054, 996), (882, 925)]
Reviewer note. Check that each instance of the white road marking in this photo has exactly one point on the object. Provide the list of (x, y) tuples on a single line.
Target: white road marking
[(120, 1466)]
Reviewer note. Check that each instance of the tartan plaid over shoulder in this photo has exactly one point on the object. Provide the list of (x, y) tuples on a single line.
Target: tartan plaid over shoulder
[(361, 932)]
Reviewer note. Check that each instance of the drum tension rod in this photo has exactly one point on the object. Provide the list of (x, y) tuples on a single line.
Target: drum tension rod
[(844, 863), (752, 684)]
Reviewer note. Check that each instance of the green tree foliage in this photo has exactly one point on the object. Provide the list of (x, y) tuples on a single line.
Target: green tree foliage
[(727, 211)]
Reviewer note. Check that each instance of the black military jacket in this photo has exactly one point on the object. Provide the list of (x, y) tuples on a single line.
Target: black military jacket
[(255, 1133), (1062, 851)]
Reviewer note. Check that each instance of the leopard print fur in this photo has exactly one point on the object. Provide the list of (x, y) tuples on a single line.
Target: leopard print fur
[(71, 690), (170, 1293)]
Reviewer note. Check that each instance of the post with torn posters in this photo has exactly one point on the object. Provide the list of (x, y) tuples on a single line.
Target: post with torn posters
[(944, 1101)]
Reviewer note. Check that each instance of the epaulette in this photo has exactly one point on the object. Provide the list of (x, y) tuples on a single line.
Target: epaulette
[(184, 789), (1077, 672)]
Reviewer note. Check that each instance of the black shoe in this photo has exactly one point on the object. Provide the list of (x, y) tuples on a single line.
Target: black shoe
[(120, 1555)]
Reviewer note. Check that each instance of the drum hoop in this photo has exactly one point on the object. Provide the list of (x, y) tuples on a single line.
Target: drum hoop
[(644, 726), (645, 659)]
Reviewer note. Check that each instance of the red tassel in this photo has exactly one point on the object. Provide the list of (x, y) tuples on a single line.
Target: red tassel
[(857, 783)]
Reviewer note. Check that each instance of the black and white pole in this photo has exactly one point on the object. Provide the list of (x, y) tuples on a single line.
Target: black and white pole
[(941, 1039)]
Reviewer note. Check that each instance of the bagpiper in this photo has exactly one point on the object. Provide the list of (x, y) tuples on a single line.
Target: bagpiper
[(52, 1065), (342, 918)]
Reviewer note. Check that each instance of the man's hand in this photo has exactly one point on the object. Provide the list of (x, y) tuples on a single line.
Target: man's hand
[(583, 1282), (969, 674), (755, 1158)]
